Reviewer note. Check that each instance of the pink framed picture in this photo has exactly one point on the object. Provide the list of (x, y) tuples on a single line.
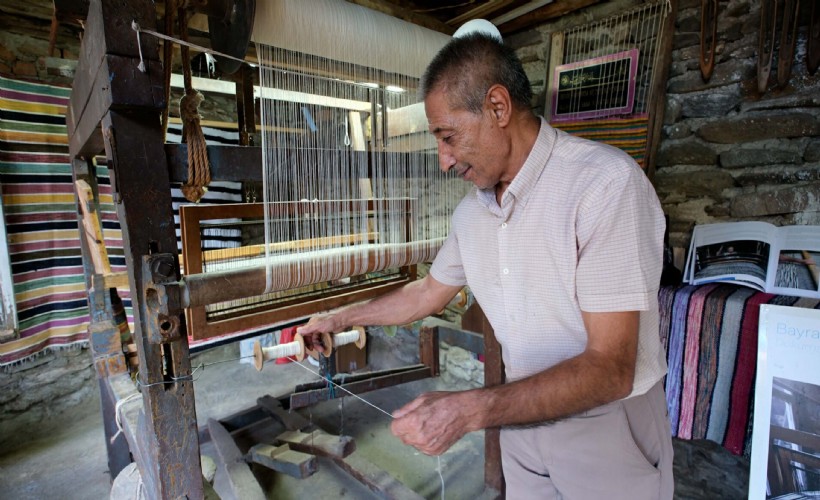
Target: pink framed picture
[(601, 86)]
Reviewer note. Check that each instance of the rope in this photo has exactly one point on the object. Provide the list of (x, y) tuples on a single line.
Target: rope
[(199, 169), (167, 61), (118, 415)]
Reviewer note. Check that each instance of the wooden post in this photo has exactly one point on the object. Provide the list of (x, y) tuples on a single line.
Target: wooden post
[(475, 320), (657, 93), (103, 332), (116, 106), (428, 349)]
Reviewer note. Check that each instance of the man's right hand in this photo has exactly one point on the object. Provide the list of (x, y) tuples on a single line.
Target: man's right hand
[(313, 330)]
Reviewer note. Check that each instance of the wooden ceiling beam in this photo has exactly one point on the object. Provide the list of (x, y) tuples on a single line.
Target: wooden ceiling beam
[(394, 10), (544, 14), (483, 11)]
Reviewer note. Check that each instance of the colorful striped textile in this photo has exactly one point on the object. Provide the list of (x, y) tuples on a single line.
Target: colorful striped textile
[(627, 134), (41, 220), (710, 332)]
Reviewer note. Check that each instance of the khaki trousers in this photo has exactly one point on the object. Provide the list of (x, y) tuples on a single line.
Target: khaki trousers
[(622, 450)]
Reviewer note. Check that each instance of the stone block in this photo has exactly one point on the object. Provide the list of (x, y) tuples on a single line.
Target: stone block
[(776, 175), (736, 8), (672, 110), (732, 71), (681, 40), (718, 210), (812, 153), (763, 153), (678, 131), (806, 98), (524, 39), (24, 68), (713, 102), (683, 216), (792, 199), (688, 21), (686, 152), (735, 130), (6, 55), (705, 183)]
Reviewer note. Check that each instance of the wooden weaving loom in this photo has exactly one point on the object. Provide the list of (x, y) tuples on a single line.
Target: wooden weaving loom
[(115, 108)]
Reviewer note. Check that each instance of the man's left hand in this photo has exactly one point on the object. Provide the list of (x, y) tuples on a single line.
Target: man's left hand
[(433, 422)]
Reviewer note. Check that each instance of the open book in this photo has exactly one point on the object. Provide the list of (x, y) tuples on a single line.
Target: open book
[(783, 260)]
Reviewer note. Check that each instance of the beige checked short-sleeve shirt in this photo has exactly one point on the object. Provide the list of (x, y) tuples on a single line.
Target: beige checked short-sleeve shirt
[(579, 228)]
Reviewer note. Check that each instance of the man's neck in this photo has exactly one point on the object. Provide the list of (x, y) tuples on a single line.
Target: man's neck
[(524, 133)]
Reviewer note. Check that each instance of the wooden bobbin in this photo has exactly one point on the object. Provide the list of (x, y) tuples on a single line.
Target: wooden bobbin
[(262, 354), (360, 341), (327, 343)]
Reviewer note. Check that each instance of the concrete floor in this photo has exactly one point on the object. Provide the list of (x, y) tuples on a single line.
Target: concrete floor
[(67, 460), (49, 466)]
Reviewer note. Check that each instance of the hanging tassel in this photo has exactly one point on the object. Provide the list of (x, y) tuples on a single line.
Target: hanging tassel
[(199, 170)]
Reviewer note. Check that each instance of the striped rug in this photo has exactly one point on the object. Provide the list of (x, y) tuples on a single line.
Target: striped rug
[(710, 332), (41, 221), (627, 134)]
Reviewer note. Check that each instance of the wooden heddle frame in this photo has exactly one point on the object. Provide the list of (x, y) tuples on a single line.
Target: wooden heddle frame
[(115, 108)]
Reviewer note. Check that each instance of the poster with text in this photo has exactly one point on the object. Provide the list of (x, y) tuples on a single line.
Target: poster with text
[(786, 435)]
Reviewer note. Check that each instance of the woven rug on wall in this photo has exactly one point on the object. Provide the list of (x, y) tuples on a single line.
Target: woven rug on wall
[(710, 336), (627, 134), (41, 221)]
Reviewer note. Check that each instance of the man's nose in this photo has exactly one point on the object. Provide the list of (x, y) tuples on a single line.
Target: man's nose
[(446, 160)]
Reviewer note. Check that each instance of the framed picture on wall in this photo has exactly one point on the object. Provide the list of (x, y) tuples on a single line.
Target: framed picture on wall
[(596, 87), (786, 433)]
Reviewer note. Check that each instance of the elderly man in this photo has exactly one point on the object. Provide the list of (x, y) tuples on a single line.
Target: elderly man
[(561, 243)]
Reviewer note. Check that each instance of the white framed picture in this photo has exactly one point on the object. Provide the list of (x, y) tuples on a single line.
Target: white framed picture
[(786, 435)]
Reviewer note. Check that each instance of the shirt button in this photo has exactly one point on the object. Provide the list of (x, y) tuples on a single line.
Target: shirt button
[(506, 271), (503, 225)]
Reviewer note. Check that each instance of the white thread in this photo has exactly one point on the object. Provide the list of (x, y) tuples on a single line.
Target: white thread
[(342, 388), (441, 476), (117, 414), (136, 27), (282, 350), (345, 338)]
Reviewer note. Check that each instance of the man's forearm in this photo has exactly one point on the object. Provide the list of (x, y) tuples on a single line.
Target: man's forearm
[(414, 301), (571, 387)]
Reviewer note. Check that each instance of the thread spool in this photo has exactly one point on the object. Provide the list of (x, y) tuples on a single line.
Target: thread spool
[(354, 336), (331, 341), (294, 349)]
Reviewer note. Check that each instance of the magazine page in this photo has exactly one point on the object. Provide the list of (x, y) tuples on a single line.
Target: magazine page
[(796, 268), (732, 252)]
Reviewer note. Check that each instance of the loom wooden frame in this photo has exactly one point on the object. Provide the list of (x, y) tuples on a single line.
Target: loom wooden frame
[(116, 107), (198, 324)]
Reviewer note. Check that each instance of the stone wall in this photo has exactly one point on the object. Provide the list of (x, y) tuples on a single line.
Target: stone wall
[(730, 153), (727, 152), (42, 389)]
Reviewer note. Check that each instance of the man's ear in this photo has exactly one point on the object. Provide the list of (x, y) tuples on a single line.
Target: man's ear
[(500, 104)]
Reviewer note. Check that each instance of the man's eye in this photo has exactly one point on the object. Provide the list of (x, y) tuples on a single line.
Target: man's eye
[(447, 139)]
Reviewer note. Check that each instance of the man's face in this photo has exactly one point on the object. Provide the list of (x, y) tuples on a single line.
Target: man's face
[(467, 142)]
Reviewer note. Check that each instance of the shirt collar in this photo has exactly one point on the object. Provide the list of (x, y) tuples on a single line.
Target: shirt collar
[(523, 184)]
